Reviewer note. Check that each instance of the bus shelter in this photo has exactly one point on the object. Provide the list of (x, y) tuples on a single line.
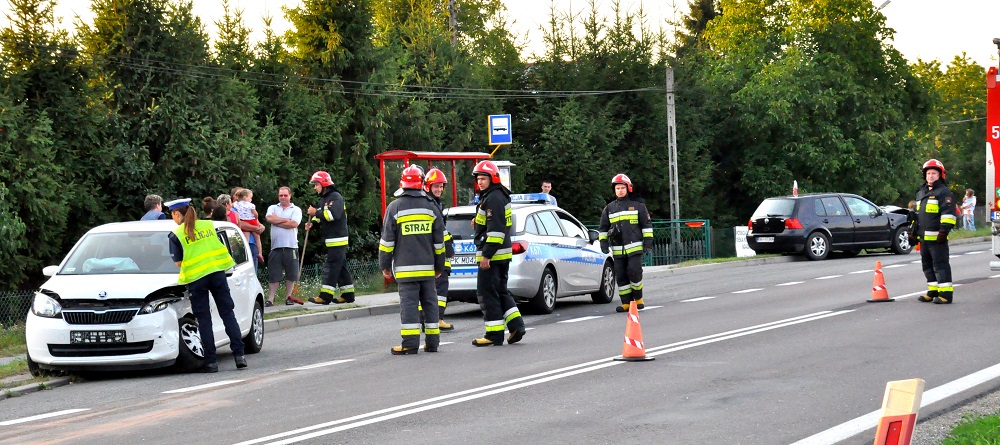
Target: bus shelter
[(433, 159)]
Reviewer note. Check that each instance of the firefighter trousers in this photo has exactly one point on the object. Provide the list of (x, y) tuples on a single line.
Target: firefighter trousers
[(937, 269), (628, 275), (337, 275), (496, 301), (414, 294), (441, 283)]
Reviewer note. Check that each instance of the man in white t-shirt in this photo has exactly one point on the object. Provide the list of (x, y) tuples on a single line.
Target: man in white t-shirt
[(283, 259)]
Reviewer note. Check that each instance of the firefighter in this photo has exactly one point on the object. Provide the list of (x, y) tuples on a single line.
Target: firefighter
[(434, 183), (493, 252), (936, 216), (412, 251), (331, 215), (626, 227)]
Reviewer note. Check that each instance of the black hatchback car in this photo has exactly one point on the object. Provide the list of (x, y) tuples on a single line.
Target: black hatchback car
[(815, 224)]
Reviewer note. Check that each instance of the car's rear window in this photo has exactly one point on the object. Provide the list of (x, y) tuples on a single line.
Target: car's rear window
[(774, 207)]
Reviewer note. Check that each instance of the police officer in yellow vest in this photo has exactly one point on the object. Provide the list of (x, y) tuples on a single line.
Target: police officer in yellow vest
[(203, 260)]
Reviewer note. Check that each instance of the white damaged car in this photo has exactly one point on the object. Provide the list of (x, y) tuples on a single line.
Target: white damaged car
[(114, 304)]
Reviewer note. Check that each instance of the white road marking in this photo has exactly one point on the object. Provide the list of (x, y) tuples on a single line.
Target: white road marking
[(319, 365), (574, 320), (868, 421), (696, 299), (953, 256), (528, 329), (790, 283), (994, 276), (862, 271), (310, 432), (975, 252), (893, 266), (828, 277), (746, 291), (915, 262), (654, 307), (42, 416), (201, 387)]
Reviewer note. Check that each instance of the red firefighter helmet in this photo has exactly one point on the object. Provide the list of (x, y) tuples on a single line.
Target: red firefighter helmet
[(487, 168), (412, 178), (434, 176), (322, 178), (933, 163), (621, 178)]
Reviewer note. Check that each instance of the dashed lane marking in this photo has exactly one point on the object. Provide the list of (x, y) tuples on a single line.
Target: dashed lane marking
[(654, 307), (893, 266), (574, 320), (319, 365), (695, 299), (862, 271), (829, 277), (790, 283), (746, 291), (975, 252), (201, 387), (43, 416)]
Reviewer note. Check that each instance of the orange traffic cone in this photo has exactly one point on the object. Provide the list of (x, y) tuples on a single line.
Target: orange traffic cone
[(633, 349), (879, 293)]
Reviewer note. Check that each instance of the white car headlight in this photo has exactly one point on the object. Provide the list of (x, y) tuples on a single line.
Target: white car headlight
[(157, 305), (46, 306)]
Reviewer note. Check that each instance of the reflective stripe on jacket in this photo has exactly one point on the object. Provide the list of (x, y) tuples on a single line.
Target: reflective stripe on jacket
[(331, 215), (412, 243), (630, 219), (493, 224), (204, 254), (936, 212)]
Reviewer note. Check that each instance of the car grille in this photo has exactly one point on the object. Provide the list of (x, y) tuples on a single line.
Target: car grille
[(108, 317), (102, 349)]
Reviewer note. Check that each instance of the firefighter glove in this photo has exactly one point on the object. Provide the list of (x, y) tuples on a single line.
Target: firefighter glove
[(942, 238)]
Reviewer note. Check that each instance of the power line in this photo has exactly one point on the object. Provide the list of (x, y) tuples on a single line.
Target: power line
[(961, 121)]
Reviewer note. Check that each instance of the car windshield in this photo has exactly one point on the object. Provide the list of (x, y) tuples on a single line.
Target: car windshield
[(774, 207), (121, 253), (460, 226)]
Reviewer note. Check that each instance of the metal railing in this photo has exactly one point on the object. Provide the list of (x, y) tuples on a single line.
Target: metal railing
[(676, 241)]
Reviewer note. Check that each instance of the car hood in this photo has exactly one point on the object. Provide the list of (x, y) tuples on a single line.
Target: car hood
[(101, 287)]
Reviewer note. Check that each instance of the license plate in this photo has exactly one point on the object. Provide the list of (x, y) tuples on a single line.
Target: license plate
[(97, 336), (463, 260), (765, 239)]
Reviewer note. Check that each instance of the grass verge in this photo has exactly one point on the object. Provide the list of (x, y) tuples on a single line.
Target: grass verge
[(979, 430), (12, 341)]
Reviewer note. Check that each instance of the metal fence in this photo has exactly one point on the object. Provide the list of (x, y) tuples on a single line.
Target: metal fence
[(676, 241), (367, 277)]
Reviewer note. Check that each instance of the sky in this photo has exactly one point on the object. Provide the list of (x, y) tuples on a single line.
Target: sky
[(925, 29)]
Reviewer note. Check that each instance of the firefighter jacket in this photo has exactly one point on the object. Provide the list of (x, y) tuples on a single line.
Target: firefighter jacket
[(626, 227), (449, 244), (492, 224), (331, 215), (936, 212), (412, 243)]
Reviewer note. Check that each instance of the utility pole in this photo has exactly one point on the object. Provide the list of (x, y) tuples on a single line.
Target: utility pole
[(675, 207), (453, 21)]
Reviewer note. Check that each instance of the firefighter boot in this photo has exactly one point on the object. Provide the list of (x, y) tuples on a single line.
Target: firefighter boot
[(486, 342), (638, 305), (319, 299), (346, 297), (943, 298), (399, 350), (516, 335), (622, 308), (928, 297), (445, 326)]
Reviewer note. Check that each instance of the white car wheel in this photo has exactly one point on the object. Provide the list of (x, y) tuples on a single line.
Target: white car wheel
[(254, 341), (191, 351)]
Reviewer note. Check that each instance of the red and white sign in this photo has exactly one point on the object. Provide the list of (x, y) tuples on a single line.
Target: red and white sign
[(992, 137)]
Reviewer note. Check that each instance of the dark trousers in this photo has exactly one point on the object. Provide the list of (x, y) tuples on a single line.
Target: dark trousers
[(414, 294), (441, 285), (628, 275), (937, 269), (496, 301), (218, 286), (337, 274)]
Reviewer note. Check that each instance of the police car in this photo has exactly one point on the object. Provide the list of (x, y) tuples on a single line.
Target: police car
[(554, 255)]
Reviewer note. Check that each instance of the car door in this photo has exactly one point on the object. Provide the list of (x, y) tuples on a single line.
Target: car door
[(837, 220), (584, 266), (560, 249), (240, 286), (871, 225)]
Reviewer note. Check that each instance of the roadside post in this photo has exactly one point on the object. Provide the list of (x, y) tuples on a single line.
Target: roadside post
[(899, 412)]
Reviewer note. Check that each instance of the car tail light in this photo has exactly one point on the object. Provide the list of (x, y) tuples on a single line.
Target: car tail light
[(793, 223), (750, 225), (519, 247)]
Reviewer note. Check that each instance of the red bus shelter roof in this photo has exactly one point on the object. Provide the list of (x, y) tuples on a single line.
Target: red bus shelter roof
[(431, 155)]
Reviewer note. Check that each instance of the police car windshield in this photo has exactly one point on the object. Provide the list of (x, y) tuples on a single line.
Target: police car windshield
[(121, 253), (460, 226)]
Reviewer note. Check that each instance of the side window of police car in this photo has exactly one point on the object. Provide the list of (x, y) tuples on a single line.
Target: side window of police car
[(237, 247), (570, 226), (530, 226), (549, 223)]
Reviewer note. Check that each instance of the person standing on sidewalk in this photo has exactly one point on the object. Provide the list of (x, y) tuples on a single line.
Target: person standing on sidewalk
[(412, 251), (331, 215), (936, 217), (283, 259), (493, 252), (626, 230), (203, 260), (434, 183)]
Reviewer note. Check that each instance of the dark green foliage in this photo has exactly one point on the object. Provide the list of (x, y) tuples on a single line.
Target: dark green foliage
[(983, 430)]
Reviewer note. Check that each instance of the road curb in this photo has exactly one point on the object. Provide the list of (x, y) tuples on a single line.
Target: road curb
[(277, 324), (34, 387)]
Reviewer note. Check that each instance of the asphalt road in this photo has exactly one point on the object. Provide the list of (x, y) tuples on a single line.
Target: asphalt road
[(767, 354)]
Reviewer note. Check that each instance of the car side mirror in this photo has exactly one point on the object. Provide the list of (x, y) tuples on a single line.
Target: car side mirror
[(594, 235), (50, 271)]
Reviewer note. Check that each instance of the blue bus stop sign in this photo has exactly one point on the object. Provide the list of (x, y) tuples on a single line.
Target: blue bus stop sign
[(499, 126)]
